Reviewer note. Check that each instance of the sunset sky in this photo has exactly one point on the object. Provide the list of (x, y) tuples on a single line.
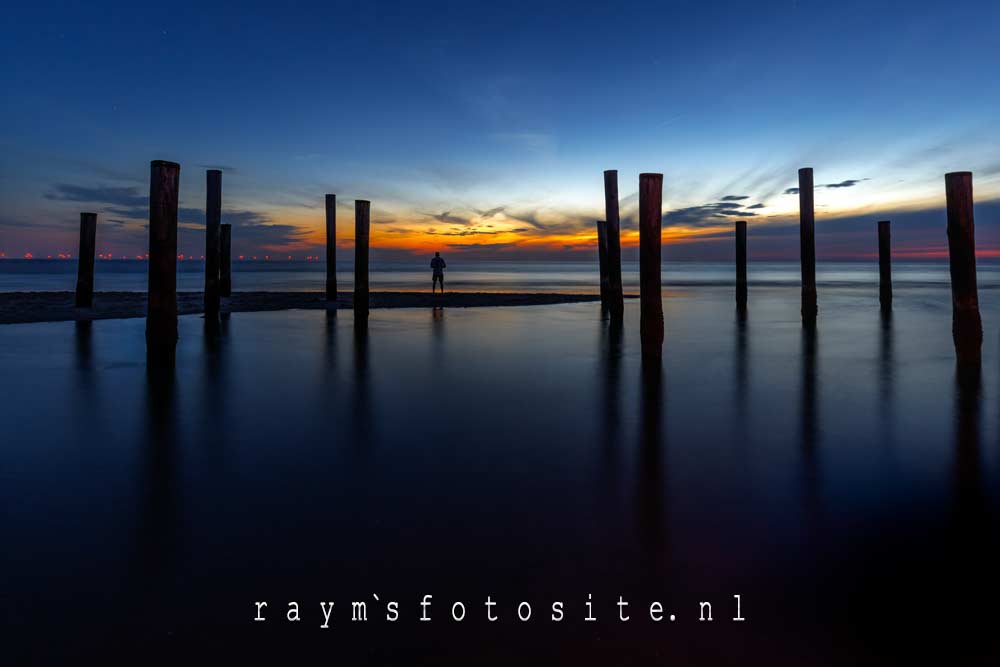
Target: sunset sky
[(483, 129)]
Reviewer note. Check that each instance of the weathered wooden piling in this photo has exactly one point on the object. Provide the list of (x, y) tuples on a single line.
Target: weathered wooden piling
[(966, 325), (331, 248), (161, 318), (807, 244), (616, 300), (213, 240), (741, 264), (650, 300), (225, 260), (884, 266), (362, 210), (85, 261), (602, 256)]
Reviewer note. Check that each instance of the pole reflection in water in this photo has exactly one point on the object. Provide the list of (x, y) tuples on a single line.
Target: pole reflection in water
[(362, 387), (159, 524), (742, 375), (969, 497), (886, 378), (213, 385), (610, 381), (810, 425), (650, 484)]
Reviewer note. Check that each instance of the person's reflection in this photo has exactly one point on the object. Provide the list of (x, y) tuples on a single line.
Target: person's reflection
[(437, 333), (362, 390), (650, 479), (810, 428), (158, 529)]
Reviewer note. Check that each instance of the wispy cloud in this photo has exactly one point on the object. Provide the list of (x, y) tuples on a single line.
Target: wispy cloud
[(118, 196), (706, 214)]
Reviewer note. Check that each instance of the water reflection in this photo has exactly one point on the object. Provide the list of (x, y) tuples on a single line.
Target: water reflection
[(741, 366), (83, 332), (810, 423), (610, 383), (362, 387), (437, 336), (886, 376), (159, 523), (213, 385), (650, 483), (969, 498)]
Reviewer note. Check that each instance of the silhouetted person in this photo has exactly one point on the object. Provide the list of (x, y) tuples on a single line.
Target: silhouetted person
[(438, 265)]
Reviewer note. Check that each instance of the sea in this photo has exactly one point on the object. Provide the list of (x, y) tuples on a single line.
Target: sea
[(18, 275)]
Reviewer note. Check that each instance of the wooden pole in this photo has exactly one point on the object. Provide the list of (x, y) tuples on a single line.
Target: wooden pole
[(161, 318), (602, 255), (650, 300), (966, 325), (213, 240), (884, 266), (85, 261), (615, 299), (741, 264), (362, 210), (331, 248), (225, 260), (807, 244)]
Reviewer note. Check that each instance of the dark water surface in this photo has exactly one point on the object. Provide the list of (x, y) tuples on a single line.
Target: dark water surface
[(843, 482)]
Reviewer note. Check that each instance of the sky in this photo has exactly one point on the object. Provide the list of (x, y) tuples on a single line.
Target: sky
[(483, 129)]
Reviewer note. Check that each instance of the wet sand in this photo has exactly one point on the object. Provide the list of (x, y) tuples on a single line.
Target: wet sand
[(21, 307)]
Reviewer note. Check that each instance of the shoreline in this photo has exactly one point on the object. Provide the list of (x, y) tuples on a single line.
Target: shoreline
[(28, 307)]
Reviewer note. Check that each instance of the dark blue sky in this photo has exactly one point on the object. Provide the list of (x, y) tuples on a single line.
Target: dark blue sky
[(487, 126)]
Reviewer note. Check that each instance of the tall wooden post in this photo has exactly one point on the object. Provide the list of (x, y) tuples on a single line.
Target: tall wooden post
[(85, 261), (741, 264), (966, 325), (650, 301), (331, 248), (602, 256), (807, 244), (616, 300), (362, 210), (225, 260), (884, 266), (213, 240), (161, 318)]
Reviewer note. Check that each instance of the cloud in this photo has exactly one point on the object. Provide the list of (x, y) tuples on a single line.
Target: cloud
[(849, 183), (756, 206), (490, 212), (447, 218), (477, 232), (706, 214), (528, 218), (845, 184), (735, 197), (119, 196)]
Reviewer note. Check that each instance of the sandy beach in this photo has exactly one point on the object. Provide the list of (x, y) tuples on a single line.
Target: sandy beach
[(21, 307)]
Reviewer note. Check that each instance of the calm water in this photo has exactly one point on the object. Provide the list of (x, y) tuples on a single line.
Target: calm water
[(574, 277), (844, 483)]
